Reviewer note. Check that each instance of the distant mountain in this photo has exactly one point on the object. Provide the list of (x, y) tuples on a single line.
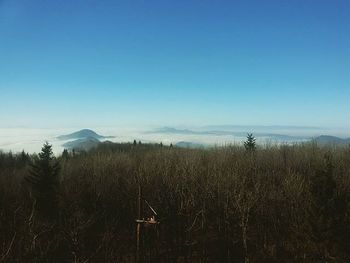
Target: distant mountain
[(258, 127), (282, 137), (170, 130), (82, 144), (329, 140), (243, 133), (85, 133), (184, 144)]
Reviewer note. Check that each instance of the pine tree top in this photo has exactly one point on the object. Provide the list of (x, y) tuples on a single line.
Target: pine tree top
[(250, 143), (46, 152)]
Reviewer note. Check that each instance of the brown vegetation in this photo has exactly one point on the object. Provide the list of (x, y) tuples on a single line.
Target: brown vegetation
[(276, 204)]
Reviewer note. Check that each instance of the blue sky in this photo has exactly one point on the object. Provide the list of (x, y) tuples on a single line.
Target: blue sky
[(92, 63)]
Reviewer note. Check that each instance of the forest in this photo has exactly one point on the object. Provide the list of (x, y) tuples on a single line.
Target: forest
[(137, 202)]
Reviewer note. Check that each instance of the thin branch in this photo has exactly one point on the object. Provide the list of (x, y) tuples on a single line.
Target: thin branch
[(9, 248)]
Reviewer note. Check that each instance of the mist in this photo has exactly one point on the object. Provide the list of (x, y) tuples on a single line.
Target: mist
[(31, 139)]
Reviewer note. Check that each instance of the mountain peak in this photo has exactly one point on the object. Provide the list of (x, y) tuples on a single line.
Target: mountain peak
[(84, 133)]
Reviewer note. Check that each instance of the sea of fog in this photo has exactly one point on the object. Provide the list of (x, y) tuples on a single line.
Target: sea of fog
[(31, 140)]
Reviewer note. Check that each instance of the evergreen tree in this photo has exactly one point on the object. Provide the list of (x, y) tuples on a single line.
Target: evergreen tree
[(23, 158), (250, 144), (65, 154), (43, 180), (11, 160)]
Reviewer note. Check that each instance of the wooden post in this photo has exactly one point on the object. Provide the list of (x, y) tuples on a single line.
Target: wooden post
[(140, 221)]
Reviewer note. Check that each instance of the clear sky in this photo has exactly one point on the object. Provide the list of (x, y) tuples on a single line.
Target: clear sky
[(181, 62)]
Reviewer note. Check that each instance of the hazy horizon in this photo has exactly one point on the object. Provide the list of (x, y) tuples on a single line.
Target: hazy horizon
[(31, 139)]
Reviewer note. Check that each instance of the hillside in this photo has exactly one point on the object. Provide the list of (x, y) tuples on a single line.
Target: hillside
[(329, 140), (82, 144), (85, 133)]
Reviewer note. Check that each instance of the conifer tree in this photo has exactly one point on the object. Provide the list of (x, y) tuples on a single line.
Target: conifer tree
[(24, 158), (43, 181), (250, 144), (65, 154)]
